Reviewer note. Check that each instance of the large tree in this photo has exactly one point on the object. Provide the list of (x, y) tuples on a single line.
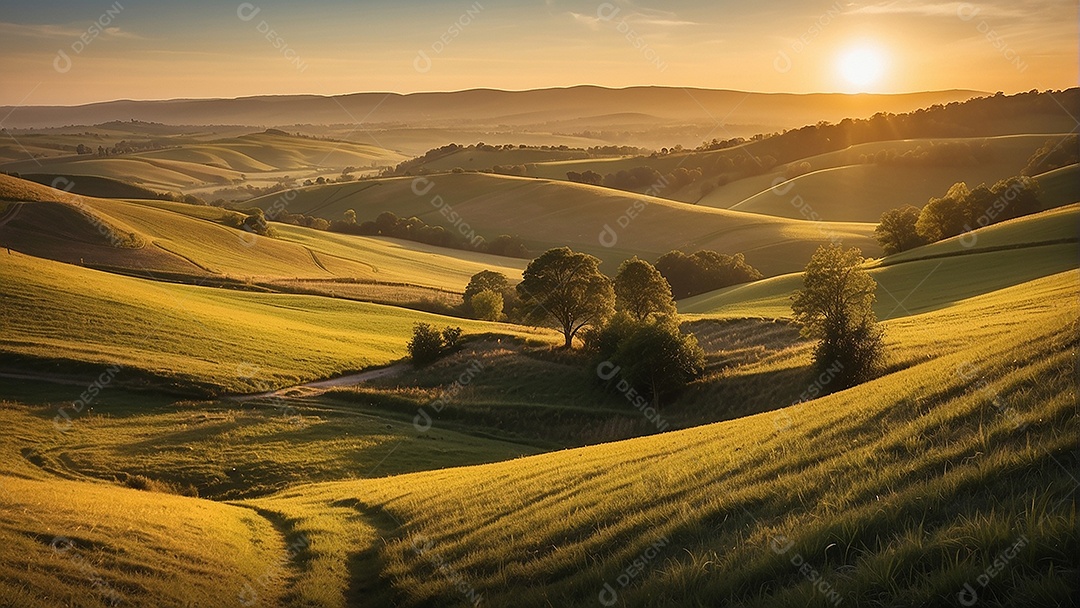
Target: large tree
[(836, 307), (567, 289), (641, 290)]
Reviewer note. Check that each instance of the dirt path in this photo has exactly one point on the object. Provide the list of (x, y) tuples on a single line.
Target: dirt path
[(318, 387)]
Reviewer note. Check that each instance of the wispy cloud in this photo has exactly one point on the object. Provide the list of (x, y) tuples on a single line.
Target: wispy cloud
[(49, 31), (935, 9)]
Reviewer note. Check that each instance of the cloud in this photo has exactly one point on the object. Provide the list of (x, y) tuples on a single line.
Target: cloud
[(38, 30), (50, 31), (936, 9)]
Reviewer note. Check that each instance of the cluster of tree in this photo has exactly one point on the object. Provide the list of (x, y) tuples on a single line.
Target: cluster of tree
[(720, 144), (642, 342), (510, 169), (123, 147), (389, 224), (428, 343), (647, 178), (415, 166), (1054, 154), (586, 177), (487, 295), (949, 153), (251, 220), (836, 307), (703, 271), (960, 210)]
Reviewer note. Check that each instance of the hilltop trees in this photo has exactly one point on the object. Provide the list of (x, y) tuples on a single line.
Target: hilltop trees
[(961, 209), (896, 232), (836, 307), (642, 291), (567, 289)]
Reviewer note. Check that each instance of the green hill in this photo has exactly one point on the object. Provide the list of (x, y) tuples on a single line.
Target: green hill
[(192, 338), (178, 241), (549, 214), (932, 276), (906, 487)]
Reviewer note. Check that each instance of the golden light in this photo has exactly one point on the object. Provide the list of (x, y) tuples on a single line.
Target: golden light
[(862, 67)]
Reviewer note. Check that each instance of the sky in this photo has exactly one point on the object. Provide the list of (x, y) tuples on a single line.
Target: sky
[(74, 52)]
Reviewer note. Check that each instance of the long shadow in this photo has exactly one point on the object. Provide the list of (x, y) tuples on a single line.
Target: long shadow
[(369, 585)]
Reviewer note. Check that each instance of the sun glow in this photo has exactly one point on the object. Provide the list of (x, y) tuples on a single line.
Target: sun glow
[(862, 67)]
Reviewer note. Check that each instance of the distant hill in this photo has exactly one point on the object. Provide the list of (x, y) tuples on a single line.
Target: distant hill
[(560, 108)]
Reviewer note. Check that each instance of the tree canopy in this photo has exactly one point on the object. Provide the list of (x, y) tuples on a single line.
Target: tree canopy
[(567, 289), (642, 291)]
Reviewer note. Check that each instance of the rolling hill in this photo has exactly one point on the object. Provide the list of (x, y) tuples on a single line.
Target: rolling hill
[(932, 276), (190, 338), (176, 241), (198, 164), (549, 214), (862, 192), (868, 486), (533, 107)]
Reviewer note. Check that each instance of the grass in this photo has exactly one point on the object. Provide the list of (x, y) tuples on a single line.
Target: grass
[(927, 277), (540, 212), (199, 338), (190, 240), (900, 490)]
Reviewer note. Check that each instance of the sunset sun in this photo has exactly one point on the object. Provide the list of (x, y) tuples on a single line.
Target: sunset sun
[(862, 67)]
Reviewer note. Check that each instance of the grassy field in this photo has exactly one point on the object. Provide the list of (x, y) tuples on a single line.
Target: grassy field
[(190, 240), (839, 188), (899, 490), (902, 489), (187, 337), (188, 163), (549, 214), (928, 277)]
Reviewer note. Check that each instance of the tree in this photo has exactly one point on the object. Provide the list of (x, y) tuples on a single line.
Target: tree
[(350, 216), (487, 305), (426, 344), (642, 291), (568, 289), (486, 280), (836, 307), (896, 232)]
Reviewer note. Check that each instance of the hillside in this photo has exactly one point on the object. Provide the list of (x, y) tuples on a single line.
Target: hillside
[(861, 192), (932, 276), (196, 339), (549, 214), (187, 164), (176, 241), (868, 486)]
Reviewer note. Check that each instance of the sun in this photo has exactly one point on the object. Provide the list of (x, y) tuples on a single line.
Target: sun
[(862, 67)]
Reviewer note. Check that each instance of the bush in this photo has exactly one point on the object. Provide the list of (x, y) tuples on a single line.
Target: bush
[(426, 345), (654, 357)]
